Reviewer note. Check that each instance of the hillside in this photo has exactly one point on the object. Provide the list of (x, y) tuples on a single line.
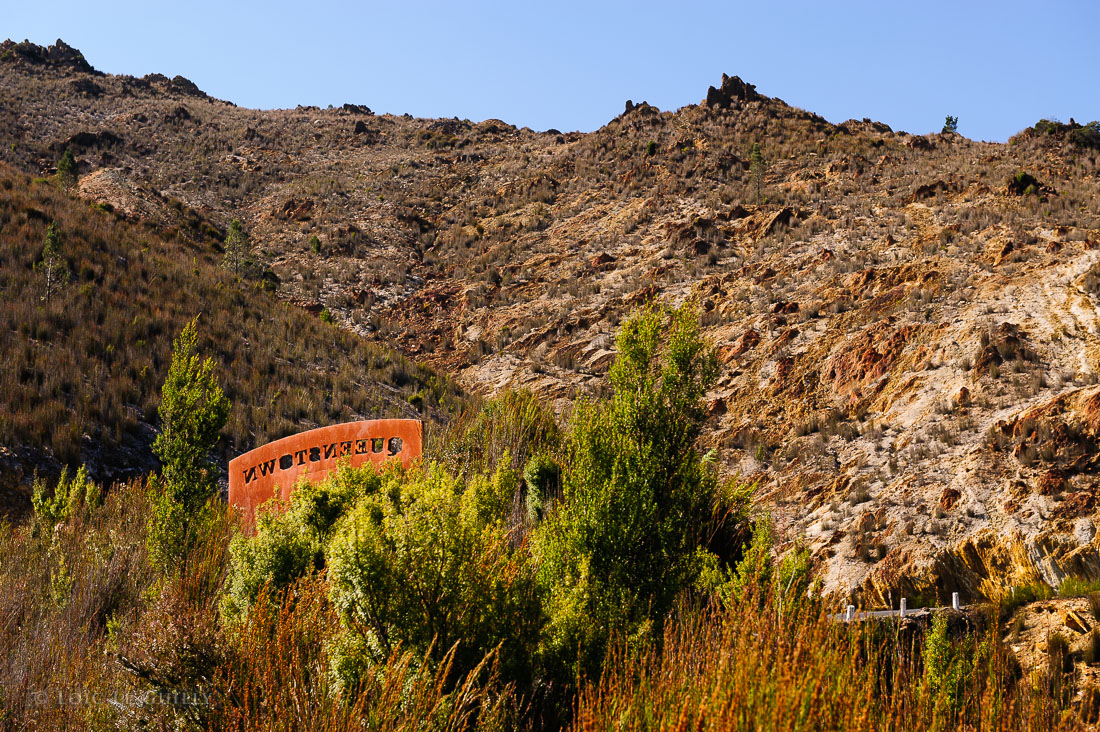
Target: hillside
[(907, 322), (83, 368)]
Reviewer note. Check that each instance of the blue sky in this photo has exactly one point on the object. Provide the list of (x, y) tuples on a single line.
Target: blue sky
[(571, 65)]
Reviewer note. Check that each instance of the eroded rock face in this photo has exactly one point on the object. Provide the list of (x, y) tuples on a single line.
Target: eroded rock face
[(985, 566), (1059, 441)]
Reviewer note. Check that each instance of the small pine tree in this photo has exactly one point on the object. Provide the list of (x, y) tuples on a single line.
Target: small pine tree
[(238, 246), (52, 266), (757, 168), (193, 410), (66, 169), (950, 125)]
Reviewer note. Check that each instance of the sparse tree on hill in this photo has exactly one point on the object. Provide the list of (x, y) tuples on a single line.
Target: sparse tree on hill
[(238, 246), (52, 266), (757, 168), (67, 170), (950, 125)]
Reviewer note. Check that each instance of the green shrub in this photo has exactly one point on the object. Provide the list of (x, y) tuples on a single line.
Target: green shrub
[(626, 537), (542, 479), (290, 537), (326, 316), (278, 554), (756, 569), (1048, 127), (67, 169), (423, 565), (1086, 136), (1023, 184), (68, 496), (948, 667), (651, 147), (492, 497), (315, 244)]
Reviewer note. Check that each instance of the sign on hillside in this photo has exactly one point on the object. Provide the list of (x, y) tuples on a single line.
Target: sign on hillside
[(256, 476)]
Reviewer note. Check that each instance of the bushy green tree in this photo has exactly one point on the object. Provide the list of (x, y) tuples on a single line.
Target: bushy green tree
[(238, 246), (192, 411), (950, 125), (67, 173), (627, 536)]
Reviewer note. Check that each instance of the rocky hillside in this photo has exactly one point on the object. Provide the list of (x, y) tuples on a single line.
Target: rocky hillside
[(907, 322)]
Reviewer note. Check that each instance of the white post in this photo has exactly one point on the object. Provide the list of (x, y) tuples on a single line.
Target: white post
[(850, 613), (954, 601), (904, 606)]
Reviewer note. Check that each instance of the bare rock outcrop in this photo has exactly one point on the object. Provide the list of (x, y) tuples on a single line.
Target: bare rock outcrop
[(59, 55), (732, 91)]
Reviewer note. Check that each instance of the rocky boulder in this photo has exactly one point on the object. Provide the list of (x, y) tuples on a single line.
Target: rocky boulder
[(732, 91), (60, 55)]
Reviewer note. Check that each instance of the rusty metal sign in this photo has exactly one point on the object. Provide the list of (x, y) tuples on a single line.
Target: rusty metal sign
[(274, 468)]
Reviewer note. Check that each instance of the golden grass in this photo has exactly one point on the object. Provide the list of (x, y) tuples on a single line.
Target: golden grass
[(748, 668), (90, 361)]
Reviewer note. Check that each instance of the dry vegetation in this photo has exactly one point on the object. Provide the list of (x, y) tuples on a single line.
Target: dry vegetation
[(94, 639), (82, 370)]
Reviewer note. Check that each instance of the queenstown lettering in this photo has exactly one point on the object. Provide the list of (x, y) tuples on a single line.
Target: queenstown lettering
[(273, 470), (331, 450)]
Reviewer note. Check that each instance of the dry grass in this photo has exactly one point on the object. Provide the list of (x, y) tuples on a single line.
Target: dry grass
[(278, 675), (91, 359), (91, 638), (67, 593), (752, 668)]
